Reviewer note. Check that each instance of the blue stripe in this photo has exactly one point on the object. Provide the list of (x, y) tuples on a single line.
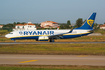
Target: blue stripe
[(74, 36), (64, 37)]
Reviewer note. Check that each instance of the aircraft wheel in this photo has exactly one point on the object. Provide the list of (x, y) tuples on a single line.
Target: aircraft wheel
[(51, 40), (36, 39), (14, 40)]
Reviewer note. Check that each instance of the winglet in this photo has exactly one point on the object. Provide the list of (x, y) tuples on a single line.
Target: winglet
[(89, 22)]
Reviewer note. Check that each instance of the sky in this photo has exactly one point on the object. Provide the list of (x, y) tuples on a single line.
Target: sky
[(60, 11)]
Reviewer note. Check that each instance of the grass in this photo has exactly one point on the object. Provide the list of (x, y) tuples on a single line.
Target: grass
[(3, 32), (50, 67), (84, 39), (54, 49), (100, 31)]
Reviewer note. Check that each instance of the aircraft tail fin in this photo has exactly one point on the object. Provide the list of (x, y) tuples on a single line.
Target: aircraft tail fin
[(89, 22)]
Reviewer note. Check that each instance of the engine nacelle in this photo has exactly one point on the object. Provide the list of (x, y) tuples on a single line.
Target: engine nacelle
[(43, 38)]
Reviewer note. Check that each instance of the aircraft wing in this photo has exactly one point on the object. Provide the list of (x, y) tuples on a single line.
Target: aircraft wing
[(59, 36)]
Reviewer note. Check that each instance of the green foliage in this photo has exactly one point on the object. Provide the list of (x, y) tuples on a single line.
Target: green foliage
[(27, 68), (102, 31), (96, 26), (79, 22), (18, 23), (3, 32), (63, 26), (10, 26), (50, 68), (68, 24)]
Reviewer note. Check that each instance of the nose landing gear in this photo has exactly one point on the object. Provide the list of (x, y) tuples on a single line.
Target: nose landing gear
[(13, 40)]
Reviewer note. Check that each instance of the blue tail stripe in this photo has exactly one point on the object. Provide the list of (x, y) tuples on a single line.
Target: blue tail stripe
[(89, 23)]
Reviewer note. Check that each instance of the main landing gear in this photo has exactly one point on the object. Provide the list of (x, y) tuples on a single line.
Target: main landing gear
[(51, 40)]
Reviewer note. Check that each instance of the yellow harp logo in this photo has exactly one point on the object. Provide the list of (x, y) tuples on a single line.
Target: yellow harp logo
[(90, 22)]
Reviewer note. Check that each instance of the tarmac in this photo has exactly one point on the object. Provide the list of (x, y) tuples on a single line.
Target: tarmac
[(29, 59)]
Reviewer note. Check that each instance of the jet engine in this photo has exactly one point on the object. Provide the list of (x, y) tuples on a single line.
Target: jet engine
[(43, 38)]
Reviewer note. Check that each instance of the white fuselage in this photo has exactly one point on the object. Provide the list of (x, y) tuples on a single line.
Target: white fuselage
[(27, 33)]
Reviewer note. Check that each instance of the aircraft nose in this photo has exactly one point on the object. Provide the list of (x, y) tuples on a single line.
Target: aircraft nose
[(7, 36)]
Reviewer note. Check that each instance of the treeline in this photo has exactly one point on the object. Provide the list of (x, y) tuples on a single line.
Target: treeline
[(79, 23), (10, 26), (67, 25)]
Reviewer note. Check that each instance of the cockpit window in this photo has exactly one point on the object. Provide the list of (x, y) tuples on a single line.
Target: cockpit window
[(10, 33)]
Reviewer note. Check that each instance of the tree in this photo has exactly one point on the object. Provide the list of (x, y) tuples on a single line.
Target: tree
[(14, 24), (23, 23), (18, 22), (63, 26), (96, 26), (68, 24), (79, 22), (10, 25)]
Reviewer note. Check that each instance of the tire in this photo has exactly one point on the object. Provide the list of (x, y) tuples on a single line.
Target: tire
[(51, 40)]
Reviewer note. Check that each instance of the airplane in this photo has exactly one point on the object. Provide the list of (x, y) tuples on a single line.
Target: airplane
[(51, 35)]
